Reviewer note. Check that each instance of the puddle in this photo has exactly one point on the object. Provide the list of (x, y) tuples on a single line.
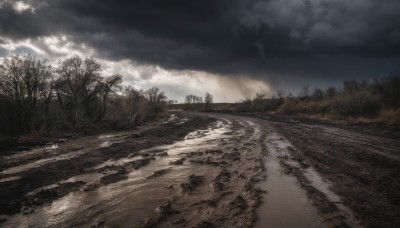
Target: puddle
[(10, 179), (90, 143), (52, 147), (119, 162), (256, 131), (41, 162), (129, 202), (285, 204)]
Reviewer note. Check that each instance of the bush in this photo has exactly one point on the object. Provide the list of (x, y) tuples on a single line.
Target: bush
[(288, 107), (313, 107), (356, 104), (390, 116)]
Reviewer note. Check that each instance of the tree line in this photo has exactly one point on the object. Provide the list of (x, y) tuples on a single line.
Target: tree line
[(34, 95), (374, 99), (196, 103)]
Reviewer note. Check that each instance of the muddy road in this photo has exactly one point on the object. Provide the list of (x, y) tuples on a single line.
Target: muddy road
[(206, 170)]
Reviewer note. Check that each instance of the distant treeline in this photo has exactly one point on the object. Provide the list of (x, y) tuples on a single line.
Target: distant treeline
[(73, 95), (376, 100), (354, 101), (196, 103)]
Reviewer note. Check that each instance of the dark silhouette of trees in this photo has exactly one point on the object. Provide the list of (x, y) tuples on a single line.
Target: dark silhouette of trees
[(193, 99), (136, 105), (24, 81), (78, 83), (208, 100), (34, 95), (377, 99), (156, 99)]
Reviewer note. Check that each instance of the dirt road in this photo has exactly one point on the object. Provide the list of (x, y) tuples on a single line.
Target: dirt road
[(206, 170)]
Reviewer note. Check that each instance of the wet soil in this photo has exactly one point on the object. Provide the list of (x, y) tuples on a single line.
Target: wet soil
[(207, 170), (364, 168)]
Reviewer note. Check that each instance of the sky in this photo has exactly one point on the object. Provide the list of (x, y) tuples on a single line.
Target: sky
[(229, 48)]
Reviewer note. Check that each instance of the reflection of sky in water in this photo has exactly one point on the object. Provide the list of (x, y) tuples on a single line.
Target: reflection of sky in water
[(130, 201), (90, 145)]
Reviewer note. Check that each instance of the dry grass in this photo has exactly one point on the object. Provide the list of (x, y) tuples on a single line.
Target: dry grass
[(32, 136), (390, 116)]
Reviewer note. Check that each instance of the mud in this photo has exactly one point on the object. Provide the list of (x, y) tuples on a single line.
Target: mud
[(191, 184), (80, 156), (362, 167), (206, 170)]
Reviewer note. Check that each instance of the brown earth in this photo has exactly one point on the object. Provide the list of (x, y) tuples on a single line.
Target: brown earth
[(201, 170)]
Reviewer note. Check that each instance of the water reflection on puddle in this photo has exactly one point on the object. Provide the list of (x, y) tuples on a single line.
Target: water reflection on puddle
[(130, 201), (285, 204)]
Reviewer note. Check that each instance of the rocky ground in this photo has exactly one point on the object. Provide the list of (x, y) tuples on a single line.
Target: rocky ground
[(205, 170)]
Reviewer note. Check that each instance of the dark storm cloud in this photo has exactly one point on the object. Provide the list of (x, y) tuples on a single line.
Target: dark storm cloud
[(287, 37)]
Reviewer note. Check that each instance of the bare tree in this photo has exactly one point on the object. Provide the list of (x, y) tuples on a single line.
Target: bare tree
[(23, 80), (318, 94), (305, 93), (193, 99), (134, 104), (281, 94), (331, 91), (79, 81), (108, 87), (208, 98), (156, 99)]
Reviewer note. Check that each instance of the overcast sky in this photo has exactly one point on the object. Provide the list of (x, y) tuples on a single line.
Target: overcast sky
[(230, 48)]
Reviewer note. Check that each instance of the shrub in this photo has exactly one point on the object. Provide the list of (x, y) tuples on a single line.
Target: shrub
[(288, 107), (356, 104), (313, 107), (390, 116)]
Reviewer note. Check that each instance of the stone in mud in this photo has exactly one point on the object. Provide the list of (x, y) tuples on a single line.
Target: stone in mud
[(192, 183), (178, 162), (158, 173)]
